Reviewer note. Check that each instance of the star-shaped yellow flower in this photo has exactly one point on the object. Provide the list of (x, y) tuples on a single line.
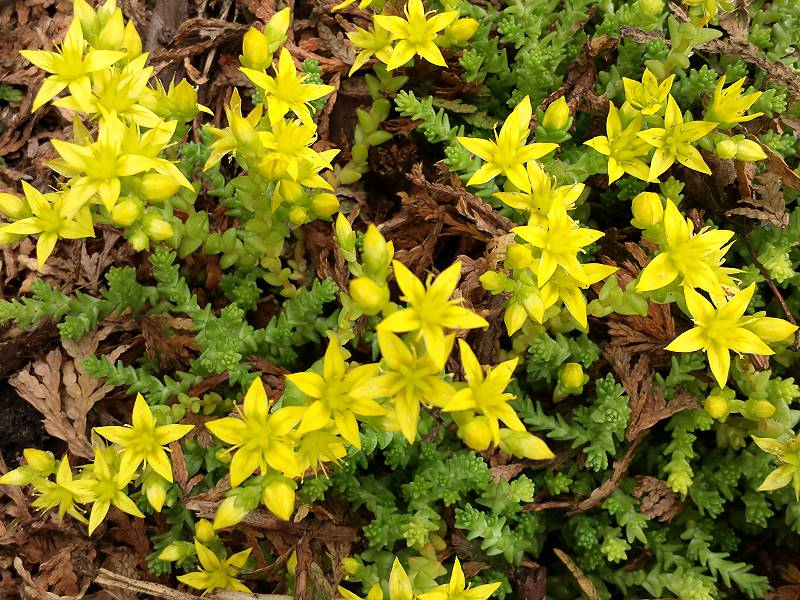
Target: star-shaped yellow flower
[(622, 147), (143, 442), (457, 589), (417, 34), (508, 153), (216, 573), (287, 91), (430, 309), (718, 330)]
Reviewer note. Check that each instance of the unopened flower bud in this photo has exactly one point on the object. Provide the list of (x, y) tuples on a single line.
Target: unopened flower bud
[(289, 190), (324, 204), (157, 187), (523, 444), (345, 236), (463, 30), (40, 460), (371, 296), (298, 215), (204, 531), (556, 117), (492, 281), (651, 7), (716, 406), (176, 551), (351, 566), (476, 434), (155, 489), (255, 50), (572, 378), (229, 513), (138, 240), (157, 228), (278, 497), (749, 150), (648, 210), (726, 149), (758, 409), (518, 256), (183, 98), (376, 253), (276, 28), (13, 207), (126, 211)]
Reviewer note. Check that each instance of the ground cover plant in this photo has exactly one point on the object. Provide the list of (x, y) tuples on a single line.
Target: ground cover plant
[(399, 299)]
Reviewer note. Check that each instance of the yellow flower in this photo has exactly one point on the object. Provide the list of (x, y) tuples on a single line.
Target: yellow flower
[(241, 133), (416, 34), (411, 379), (143, 442), (429, 308), (703, 11), (69, 67), (52, 219), (215, 573), (485, 393), (59, 493), (559, 240), (377, 42), (695, 258), (120, 151), (648, 96), (788, 453), (568, 288), (622, 147), (457, 589), (508, 153), (103, 488), (727, 107), (340, 394), (542, 192), (260, 439), (289, 143), (674, 141), (286, 91), (717, 330)]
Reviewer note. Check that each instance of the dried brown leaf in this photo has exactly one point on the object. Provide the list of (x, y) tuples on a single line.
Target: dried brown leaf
[(656, 500)]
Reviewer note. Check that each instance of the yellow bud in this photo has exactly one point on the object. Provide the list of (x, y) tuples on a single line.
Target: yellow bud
[(174, 552), (351, 566), (19, 477), (556, 117), (13, 207), (518, 256), (758, 409), (376, 253), (204, 531), (492, 281), (371, 296), (157, 187), (155, 489), (157, 228), (716, 406), (276, 28), (651, 7), (126, 211), (223, 456), (39, 460), (139, 240), (749, 150), (229, 513), (324, 204), (648, 210), (572, 378), (290, 191), (183, 98), (255, 50), (298, 215), (476, 434), (463, 29), (345, 236), (726, 149), (523, 444), (278, 497)]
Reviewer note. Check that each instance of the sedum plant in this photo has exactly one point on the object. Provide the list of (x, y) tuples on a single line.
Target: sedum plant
[(557, 379)]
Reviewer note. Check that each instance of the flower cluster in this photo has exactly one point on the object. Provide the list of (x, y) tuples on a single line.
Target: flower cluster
[(395, 40), (118, 174), (137, 456)]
